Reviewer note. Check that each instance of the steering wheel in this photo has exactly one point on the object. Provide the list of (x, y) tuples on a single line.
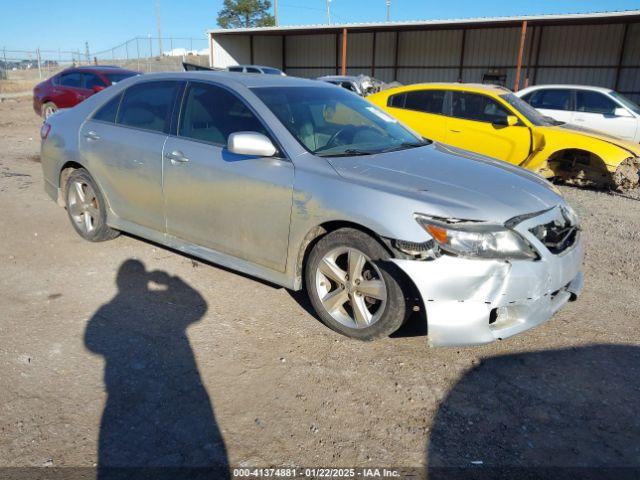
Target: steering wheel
[(349, 129)]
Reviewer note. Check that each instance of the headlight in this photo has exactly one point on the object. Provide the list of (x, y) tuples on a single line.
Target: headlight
[(477, 240)]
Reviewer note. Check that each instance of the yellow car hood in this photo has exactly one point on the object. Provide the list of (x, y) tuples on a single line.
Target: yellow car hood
[(631, 147)]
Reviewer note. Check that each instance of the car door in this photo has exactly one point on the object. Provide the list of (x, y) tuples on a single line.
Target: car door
[(68, 90), (477, 123), (123, 144), (235, 204), (597, 111), (422, 110), (556, 103)]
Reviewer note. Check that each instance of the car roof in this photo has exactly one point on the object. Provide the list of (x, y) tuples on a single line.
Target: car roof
[(248, 80), (99, 68), (254, 66), (338, 78), (559, 86), (463, 87)]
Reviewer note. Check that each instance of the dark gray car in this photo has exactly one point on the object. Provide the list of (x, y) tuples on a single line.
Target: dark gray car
[(304, 184)]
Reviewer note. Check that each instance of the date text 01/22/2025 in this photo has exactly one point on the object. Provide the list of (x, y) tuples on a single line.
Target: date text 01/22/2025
[(328, 473)]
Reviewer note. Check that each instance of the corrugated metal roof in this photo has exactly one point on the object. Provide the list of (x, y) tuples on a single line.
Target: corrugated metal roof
[(565, 17)]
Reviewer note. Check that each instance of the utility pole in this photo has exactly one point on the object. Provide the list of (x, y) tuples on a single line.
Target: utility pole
[(158, 25), (275, 11), (329, 12), (388, 2), (86, 52)]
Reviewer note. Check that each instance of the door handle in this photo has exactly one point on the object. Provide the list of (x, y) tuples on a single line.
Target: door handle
[(455, 131), (176, 157), (91, 135)]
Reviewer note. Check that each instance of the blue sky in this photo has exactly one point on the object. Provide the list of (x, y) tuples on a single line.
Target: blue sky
[(67, 24)]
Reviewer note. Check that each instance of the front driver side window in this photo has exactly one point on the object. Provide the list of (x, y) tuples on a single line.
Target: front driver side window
[(472, 106), (594, 102), (211, 113)]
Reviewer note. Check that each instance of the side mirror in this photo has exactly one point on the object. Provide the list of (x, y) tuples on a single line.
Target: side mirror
[(621, 112), (97, 88), (251, 143), (508, 121)]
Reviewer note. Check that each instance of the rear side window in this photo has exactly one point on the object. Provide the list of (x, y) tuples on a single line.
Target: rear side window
[(471, 106), (594, 102), (550, 99), (92, 80), (428, 101), (148, 106), (72, 79), (235, 69), (211, 114), (107, 113), (349, 86), (397, 101)]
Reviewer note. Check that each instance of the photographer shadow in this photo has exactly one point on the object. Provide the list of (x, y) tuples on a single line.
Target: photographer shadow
[(568, 413), (158, 421)]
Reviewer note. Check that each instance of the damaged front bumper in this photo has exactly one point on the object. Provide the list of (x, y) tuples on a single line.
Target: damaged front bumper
[(472, 301)]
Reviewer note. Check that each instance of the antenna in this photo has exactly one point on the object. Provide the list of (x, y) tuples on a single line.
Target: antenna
[(329, 12), (388, 2), (158, 26)]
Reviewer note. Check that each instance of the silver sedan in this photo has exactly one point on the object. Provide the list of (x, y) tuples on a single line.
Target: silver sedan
[(307, 185)]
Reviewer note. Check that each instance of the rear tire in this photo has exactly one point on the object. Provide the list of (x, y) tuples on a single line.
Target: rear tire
[(48, 109), (86, 208), (353, 287)]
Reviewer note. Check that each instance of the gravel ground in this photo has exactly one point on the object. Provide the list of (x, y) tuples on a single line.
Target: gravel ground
[(125, 353)]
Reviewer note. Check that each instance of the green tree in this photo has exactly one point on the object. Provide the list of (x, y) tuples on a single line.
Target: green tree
[(245, 13)]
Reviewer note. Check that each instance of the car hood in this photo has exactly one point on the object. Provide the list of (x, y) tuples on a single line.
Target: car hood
[(453, 183), (629, 146)]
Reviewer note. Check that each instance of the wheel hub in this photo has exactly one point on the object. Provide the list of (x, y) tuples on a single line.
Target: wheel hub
[(351, 287)]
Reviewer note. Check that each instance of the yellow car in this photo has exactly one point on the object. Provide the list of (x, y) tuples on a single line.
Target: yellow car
[(492, 121)]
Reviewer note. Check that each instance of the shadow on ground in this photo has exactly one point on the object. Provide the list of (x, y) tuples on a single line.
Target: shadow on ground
[(158, 421), (570, 413)]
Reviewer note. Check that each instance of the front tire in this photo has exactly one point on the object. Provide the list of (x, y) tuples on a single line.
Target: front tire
[(352, 288), (86, 207)]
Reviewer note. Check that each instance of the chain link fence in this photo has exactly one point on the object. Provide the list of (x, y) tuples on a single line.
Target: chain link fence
[(21, 70), (142, 54)]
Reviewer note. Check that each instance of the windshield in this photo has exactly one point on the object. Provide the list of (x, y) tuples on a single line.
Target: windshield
[(630, 104), (334, 122), (117, 77), (526, 110)]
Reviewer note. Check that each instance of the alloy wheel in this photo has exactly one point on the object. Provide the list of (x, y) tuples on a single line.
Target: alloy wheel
[(83, 206), (351, 287)]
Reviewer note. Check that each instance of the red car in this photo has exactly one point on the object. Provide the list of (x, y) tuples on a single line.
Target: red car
[(73, 85)]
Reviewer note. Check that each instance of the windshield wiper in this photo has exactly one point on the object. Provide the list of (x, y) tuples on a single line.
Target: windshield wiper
[(350, 152), (406, 145)]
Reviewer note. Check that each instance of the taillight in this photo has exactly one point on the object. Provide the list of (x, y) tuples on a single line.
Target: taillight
[(44, 130)]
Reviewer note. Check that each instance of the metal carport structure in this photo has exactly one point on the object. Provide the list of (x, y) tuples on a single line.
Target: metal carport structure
[(596, 48)]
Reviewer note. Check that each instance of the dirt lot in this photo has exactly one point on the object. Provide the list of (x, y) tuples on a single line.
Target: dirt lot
[(201, 365)]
